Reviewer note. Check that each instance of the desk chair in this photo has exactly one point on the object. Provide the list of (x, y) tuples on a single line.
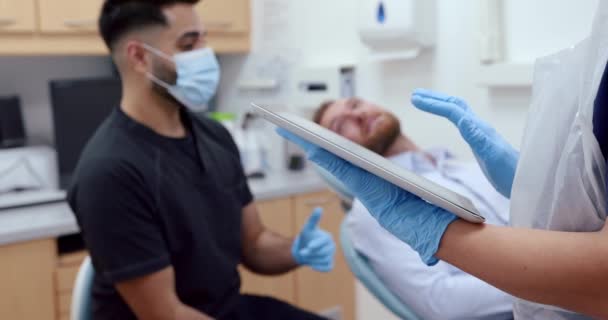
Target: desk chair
[(81, 295), (358, 263)]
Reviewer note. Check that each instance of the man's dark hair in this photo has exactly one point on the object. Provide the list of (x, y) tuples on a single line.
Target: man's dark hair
[(321, 111), (118, 17)]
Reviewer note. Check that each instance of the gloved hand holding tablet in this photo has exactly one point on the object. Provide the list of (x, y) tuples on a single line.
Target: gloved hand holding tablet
[(412, 208)]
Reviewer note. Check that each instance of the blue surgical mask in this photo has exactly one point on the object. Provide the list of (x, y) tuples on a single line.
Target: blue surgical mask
[(198, 75)]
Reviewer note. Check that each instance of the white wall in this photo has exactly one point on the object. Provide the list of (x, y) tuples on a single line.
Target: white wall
[(528, 20)]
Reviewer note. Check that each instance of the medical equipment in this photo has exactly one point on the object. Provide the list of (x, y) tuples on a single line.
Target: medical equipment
[(497, 158), (28, 168), (28, 176), (397, 29), (315, 85), (374, 163), (314, 247), (311, 86)]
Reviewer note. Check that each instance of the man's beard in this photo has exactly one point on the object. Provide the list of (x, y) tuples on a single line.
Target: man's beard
[(385, 136), (169, 77)]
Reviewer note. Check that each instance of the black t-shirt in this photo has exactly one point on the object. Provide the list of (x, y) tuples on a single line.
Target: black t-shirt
[(145, 202)]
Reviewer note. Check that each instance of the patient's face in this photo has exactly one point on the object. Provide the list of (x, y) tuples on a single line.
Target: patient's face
[(362, 122)]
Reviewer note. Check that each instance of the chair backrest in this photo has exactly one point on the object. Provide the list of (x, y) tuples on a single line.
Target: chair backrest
[(360, 267), (81, 295)]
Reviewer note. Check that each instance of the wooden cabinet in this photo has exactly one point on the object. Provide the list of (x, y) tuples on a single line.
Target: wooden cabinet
[(228, 23), (69, 16), (324, 291), (276, 216), (225, 16), (26, 288), (69, 27), (17, 16)]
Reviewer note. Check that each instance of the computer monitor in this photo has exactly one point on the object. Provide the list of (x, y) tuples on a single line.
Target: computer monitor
[(12, 131), (79, 107)]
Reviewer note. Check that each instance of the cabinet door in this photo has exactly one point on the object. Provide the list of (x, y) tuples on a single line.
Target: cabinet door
[(225, 16), (17, 16), (325, 291), (26, 281), (65, 276), (277, 215), (69, 16)]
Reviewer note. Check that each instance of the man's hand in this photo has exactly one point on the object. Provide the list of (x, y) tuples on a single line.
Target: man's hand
[(314, 247), (264, 252)]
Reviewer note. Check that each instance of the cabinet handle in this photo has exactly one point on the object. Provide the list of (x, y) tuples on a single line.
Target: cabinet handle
[(7, 22), (218, 25), (318, 202), (79, 23)]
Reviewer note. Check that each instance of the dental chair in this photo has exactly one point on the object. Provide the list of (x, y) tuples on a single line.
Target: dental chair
[(358, 263), (336, 186), (80, 308)]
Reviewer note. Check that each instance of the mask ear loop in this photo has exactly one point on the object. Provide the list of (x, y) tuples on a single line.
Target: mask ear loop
[(157, 52), (163, 55), (158, 81)]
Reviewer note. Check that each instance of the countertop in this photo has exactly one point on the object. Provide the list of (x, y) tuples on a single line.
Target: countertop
[(55, 220)]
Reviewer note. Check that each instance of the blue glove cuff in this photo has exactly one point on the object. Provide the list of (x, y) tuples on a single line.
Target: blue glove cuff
[(428, 249), (294, 251)]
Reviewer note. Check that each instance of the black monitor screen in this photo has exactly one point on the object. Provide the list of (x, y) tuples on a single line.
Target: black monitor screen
[(79, 107)]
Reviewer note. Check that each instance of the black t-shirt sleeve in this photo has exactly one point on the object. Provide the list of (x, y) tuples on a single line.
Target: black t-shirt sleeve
[(116, 212)]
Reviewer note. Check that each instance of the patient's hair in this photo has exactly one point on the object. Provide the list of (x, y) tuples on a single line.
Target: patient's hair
[(119, 17), (321, 111)]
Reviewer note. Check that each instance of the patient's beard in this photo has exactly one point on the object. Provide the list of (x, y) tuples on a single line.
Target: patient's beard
[(385, 135)]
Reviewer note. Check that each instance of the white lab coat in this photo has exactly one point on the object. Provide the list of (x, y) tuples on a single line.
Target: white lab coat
[(560, 179), (442, 291)]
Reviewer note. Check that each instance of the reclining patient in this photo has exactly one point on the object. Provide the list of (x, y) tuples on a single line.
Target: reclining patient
[(441, 291)]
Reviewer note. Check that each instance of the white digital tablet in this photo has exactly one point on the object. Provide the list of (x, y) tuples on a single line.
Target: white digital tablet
[(374, 163)]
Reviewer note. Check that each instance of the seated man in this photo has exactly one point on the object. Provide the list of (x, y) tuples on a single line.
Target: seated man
[(159, 192), (441, 291)]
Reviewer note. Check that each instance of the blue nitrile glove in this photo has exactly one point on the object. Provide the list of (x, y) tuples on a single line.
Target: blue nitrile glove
[(411, 219), (496, 157), (314, 247)]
